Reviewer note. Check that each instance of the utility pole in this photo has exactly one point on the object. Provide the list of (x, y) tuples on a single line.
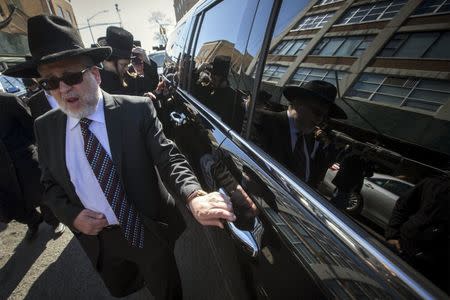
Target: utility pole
[(89, 24), (118, 13)]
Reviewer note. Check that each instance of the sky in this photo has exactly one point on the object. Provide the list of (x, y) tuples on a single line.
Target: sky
[(134, 16)]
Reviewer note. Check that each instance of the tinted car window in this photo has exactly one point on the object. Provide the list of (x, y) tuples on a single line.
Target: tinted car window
[(218, 56), (396, 187), (377, 181), (381, 127)]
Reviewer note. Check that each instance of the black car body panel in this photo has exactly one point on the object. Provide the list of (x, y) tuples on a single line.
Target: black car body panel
[(305, 247)]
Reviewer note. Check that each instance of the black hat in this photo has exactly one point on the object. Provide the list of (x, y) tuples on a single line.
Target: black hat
[(221, 65), (50, 39), (121, 42), (320, 90)]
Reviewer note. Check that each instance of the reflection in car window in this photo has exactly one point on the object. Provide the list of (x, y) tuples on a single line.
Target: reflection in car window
[(369, 133), (377, 181), (397, 187), (217, 58)]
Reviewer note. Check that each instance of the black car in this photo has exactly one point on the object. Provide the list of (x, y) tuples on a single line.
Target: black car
[(227, 64)]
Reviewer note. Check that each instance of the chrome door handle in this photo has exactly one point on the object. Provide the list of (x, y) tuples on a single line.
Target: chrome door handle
[(249, 240), (178, 118)]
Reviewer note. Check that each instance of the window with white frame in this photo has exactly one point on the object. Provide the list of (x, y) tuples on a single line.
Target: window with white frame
[(313, 21), (303, 75), (324, 2), (290, 47), (342, 46), (273, 72), (432, 7), (372, 12), (419, 93), (418, 45)]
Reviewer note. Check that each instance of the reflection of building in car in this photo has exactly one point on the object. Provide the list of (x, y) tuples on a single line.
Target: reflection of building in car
[(379, 194)]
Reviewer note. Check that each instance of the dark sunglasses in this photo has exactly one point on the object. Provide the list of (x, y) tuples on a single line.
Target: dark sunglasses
[(69, 78)]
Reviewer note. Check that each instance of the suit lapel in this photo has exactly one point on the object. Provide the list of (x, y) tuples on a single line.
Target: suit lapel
[(114, 127)]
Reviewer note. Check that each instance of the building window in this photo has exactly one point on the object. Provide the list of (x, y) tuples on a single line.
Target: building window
[(423, 94), (432, 7), (418, 45), (273, 72), (59, 11), (313, 21), (290, 47), (372, 12), (324, 2), (303, 75), (343, 46)]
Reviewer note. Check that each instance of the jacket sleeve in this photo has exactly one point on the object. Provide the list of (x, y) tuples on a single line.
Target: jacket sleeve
[(175, 171), (405, 206), (54, 195)]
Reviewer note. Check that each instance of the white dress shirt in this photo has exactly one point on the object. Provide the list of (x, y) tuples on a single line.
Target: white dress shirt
[(51, 100), (83, 178)]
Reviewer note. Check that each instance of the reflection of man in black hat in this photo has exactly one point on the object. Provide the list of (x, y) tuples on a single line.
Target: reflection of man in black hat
[(99, 154), (295, 138)]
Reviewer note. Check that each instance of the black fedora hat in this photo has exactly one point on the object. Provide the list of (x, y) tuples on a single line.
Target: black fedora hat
[(121, 42), (317, 89), (51, 39)]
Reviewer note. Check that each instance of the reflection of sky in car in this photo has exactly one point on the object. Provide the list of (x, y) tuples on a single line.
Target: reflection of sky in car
[(219, 30), (288, 12)]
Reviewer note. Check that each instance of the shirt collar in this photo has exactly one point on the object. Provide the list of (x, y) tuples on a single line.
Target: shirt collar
[(97, 116)]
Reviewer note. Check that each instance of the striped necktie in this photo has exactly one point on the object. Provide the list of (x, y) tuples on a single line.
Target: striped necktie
[(111, 185)]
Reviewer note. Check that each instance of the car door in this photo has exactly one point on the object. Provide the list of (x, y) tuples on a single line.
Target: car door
[(298, 245), (376, 200)]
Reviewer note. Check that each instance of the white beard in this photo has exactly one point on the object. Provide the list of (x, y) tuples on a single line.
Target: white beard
[(83, 113)]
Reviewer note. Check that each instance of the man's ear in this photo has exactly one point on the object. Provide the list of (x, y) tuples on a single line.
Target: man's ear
[(96, 74)]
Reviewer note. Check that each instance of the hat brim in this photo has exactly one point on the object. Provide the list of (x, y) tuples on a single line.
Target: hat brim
[(292, 92), (28, 69), (120, 53)]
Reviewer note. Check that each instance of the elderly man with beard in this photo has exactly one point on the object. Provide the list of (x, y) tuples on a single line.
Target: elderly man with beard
[(100, 156)]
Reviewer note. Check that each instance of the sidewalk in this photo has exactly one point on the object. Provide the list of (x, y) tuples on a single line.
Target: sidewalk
[(48, 268)]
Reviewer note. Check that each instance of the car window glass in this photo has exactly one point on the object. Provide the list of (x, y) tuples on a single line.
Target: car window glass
[(352, 136), (218, 56), (396, 187), (377, 181)]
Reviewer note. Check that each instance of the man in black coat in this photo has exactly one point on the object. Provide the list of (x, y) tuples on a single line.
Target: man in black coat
[(295, 138), (116, 76), (101, 156), (419, 228), (20, 190)]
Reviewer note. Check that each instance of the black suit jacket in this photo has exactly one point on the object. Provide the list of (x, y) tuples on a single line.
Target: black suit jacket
[(38, 104), (275, 138), (138, 148), (18, 163)]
